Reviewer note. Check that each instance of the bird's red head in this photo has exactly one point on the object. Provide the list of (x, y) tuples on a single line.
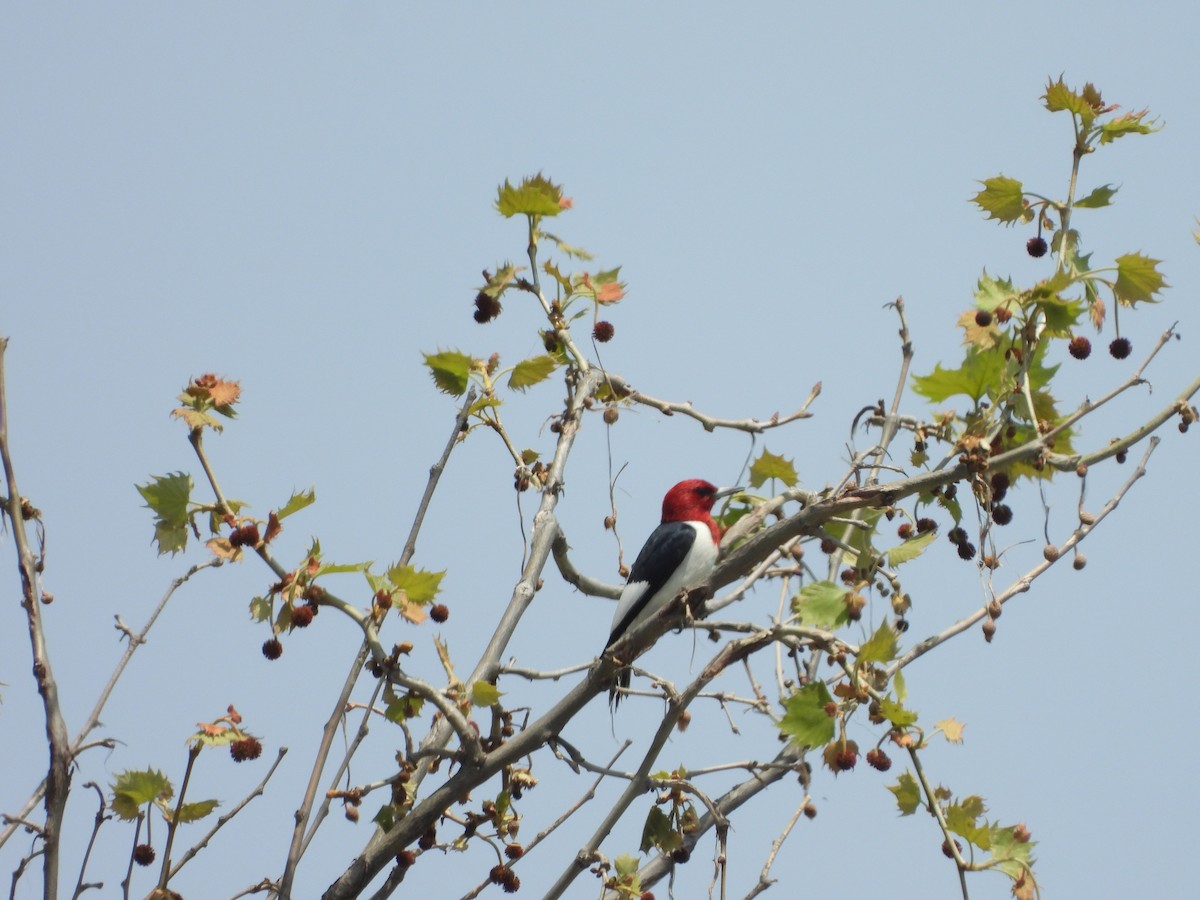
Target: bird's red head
[(692, 501), (689, 501)]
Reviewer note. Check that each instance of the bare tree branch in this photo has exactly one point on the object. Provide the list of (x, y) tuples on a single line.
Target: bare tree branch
[(58, 775)]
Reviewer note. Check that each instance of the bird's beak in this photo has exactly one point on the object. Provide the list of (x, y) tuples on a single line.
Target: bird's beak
[(727, 491)]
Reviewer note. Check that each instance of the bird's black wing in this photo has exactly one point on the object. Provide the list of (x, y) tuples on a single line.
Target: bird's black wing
[(667, 546)]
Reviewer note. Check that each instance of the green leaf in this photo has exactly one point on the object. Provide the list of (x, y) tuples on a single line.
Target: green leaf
[(216, 517), (806, 722), (385, 818), (821, 604), (908, 794), (450, 369), (979, 374), (1061, 315), (1002, 198), (859, 538), (167, 496), (881, 646), (484, 694), (1040, 374), (191, 812), (500, 282), (340, 568), (534, 196), (134, 789), (564, 283), (419, 585), (576, 252), (768, 466), (502, 804), (484, 403), (626, 864), (214, 736), (297, 502), (399, 709), (1101, 196), (260, 609), (407, 706), (529, 372), (910, 549), (963, 819), (1138, 278), (992, 292), (1013, 856), (1130, 123), (657, 832), (896, 713), (1060, 98), (900, 686)]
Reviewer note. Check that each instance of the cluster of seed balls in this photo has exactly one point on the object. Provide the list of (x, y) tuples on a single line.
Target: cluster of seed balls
[(1079, 347)]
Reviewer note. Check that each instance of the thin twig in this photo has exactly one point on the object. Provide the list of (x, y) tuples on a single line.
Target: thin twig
[(1022, 584), (711, 423), (164, 875), (99, 820), (764, 877), (359, 736), (93, 719), (299, 839), (220, 823), (949, 845)]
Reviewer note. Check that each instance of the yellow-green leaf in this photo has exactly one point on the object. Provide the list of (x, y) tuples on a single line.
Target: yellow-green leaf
[(404, 707), (1101, 196), (769, 466), (450, 370), (420, 586), (484, 694), (821, 604), (168, 496), (260, 609), (1060, 98), (1002, 198), (534, 196), (807, 721), (992, 292), (134, 789), (570, 250), (895, 713), (979, 374), (881, 646), (951, 728), (191, 812), (908, 794), (1130, 123), (626, 864), (298, 501), (1138, 278), (910, 549), (529, 372)]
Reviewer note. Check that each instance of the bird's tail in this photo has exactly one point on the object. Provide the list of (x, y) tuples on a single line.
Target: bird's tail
[(621, 682)]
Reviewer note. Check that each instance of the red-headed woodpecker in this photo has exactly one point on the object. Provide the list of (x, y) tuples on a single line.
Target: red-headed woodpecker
[(680, 553)]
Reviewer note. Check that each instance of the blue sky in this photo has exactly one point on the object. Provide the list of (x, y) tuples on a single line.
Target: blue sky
[(300, 197)]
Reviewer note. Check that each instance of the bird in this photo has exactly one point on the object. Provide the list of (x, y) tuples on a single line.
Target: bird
[(680, 553)]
